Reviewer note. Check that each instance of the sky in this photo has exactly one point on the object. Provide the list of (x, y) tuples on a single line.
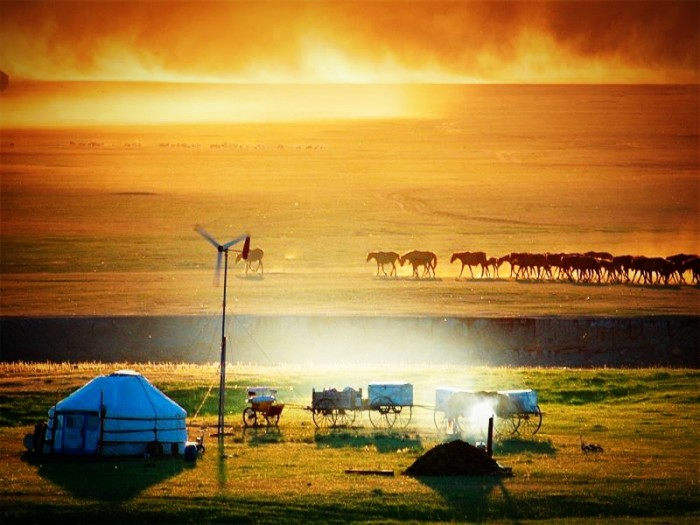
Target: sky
[(353, 41)]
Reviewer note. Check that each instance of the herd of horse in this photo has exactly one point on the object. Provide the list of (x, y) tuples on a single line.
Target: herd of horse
[(589, 267), (416, 258)]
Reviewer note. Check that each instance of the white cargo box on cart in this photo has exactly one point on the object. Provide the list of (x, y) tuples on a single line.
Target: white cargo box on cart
[(262, 393), (443, 395), (399, 394), (524, 400)]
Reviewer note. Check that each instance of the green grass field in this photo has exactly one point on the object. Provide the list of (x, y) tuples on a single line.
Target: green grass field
[(646, 421)]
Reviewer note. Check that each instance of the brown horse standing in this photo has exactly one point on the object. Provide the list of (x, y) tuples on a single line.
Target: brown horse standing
[(470, 259), (417, 259), (254, 255), (693, 265), (383, 258)]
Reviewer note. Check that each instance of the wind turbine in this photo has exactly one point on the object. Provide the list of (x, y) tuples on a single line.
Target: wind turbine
[(222, 249)]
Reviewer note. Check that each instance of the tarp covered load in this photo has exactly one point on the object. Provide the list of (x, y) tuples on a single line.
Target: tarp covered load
[(118, 414), (393, 393), (523, 400)]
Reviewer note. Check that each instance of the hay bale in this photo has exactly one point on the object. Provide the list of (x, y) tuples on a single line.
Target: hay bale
[(456, 458)]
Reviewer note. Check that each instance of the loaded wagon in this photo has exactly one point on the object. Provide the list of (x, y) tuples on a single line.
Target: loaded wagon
[(264, 408), (388, 405), (516, 411), (331, 407), (519, 412)]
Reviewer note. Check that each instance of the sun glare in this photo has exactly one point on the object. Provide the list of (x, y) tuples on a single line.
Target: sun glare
[(153, 103)]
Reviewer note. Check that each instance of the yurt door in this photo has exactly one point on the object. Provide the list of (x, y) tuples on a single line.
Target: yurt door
[(80, 433)]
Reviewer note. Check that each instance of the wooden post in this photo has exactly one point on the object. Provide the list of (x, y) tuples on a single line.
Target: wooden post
[(489, 438)]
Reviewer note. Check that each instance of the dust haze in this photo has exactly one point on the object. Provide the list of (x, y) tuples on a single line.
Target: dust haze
[(325, 41)]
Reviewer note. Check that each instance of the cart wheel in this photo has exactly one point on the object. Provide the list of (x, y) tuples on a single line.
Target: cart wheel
[(249, 417), (324, 413), (506, 426), (403, 416), (441, 422), (530, 422), (458, 425), (382, 413), (272, 421), (344, 417), (444, 425)]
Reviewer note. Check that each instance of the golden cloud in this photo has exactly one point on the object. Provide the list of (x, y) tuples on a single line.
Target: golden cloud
[(352, 41)]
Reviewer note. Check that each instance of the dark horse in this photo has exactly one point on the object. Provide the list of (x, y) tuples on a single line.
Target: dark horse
[(470, 259), (383, 258), (417, 259)]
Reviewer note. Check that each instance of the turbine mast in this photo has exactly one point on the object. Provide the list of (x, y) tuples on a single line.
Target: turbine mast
[(222, 249), (222, 377)]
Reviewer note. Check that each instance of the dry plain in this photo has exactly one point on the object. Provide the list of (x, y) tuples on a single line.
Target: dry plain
[(100, 221)]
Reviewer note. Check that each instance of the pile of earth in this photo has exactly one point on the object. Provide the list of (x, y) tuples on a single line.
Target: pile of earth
[(456, 458)]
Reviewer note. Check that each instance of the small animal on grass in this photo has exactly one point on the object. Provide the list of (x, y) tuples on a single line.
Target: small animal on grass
[(383, 258), (254, 255), (200, 444), (589, 447)]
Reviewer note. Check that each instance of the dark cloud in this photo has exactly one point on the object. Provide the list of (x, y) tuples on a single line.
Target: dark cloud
[(226, 39)]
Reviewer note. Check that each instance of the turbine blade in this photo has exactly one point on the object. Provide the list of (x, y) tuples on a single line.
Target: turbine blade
[(234, 241), (206, 235), (217, 272)]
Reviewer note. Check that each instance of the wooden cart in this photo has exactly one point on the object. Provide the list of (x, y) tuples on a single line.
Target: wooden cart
[(516, 411), (519, 413), (264, 410), (332, 408), (388, 405)]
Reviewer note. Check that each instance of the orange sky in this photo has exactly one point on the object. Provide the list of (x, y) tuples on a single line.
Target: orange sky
[(365, 41)]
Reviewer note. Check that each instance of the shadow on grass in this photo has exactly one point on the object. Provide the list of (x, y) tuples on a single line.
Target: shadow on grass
[(519, 445), (390, 441), (261, 435), (197, 400), (105, 478), (471, 499), (25, 408), (597, 393)]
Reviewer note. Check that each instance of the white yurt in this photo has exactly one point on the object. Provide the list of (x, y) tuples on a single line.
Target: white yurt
[(118, 414)]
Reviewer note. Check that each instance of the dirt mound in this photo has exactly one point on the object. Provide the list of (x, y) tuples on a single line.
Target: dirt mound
[(456, 458)]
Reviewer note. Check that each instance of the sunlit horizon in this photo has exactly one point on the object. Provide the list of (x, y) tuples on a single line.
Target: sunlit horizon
[(43, 104)]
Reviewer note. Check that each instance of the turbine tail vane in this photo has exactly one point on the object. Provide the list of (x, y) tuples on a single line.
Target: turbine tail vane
[(234, 241)]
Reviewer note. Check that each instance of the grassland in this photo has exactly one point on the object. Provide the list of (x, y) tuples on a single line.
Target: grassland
[(646, 420)]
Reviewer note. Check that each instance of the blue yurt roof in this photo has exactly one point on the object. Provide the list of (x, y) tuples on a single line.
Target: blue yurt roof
[(124, 393)]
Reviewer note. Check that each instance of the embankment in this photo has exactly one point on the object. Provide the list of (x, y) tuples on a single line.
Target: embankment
[(535, 341)]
